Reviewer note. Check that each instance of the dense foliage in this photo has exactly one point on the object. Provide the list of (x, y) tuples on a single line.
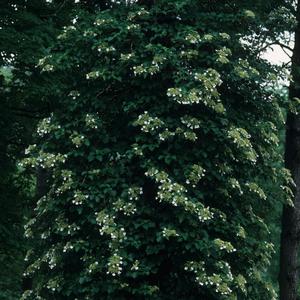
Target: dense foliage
[(160, 151)]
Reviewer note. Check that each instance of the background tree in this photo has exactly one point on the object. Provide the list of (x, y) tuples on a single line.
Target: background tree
[(27, 30)]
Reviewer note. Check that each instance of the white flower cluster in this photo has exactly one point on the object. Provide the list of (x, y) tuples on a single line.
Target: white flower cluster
[(92, 75), (241, 232), (127, 209), (220, 286), (175, 194), (270, 247), (143, 69), (74, 94), (218, 281), (40, 203), (134, 193), (93, 267), (196, 173), (224, 35), (89, 33), (77, 139), (45, 235), (31, 269), (115, 265), (137, 150), (127, 56), (135, 265), (67, 182), (91, 121), (43, 61), (190, 136), (241, 282), (133, 27), (189, 54), (79, 198), (225, 267), (101, 21), (68, 246), (44, 160), (194, 96), (158, 60), (51, 258), (53, 284), (167, 233), (27, 228), (190, 122), (108, 226), (234, 183), (166, 134), (222, 245), (193, 37), (141, 12), (29, 149), (253, 187), (28, 255), (207, 94), (28, 294), (104, 48), (241, 138), (223, 55), (45, 127), (66, 31), (249, 13), (166, 185), (66, 175), (272, 138), (148, 123), (71, 229), (48, 68), (208, 37), (223, 169), (153, 68), (210, 79), (175, 93), (197, 268), (62, 226), (127, 206), (204, 213)]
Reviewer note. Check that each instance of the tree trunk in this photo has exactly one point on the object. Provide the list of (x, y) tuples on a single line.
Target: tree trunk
[(40, 191), (288, 276)]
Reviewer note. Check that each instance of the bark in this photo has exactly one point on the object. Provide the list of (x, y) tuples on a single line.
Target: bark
[(288, 275)]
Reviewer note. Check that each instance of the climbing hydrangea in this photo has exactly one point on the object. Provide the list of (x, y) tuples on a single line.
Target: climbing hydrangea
[(158, 156)]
